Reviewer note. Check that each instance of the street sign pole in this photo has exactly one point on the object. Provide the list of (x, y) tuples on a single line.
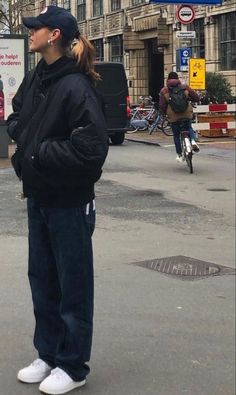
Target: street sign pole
[(185, 14), (183, 28)]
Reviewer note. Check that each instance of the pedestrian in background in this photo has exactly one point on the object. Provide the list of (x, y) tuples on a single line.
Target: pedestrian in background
[(59, 128), (183, 97)]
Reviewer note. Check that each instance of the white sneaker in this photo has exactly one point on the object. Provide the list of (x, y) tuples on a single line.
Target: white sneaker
[(179, 159), (195, 146), (35, 372), (59, 382)]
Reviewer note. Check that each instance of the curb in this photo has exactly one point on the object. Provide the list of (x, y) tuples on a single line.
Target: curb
[(143, 142)]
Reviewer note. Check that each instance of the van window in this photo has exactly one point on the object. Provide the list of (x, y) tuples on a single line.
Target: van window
[(113, 78)]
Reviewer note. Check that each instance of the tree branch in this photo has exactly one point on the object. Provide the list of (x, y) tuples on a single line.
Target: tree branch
[(4, 15), (10, 18)]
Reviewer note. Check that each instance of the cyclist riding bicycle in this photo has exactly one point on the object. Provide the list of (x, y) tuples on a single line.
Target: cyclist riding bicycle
[(175, 102)]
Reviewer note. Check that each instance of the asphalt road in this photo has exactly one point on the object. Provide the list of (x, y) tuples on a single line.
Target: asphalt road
[(154, 334)]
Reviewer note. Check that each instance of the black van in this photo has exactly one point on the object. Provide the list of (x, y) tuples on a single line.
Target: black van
[(114, 89)]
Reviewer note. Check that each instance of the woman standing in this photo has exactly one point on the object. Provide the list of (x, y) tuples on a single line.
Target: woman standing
[(59, 129)]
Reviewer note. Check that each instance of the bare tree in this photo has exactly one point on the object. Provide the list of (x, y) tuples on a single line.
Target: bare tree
[(10, 13)]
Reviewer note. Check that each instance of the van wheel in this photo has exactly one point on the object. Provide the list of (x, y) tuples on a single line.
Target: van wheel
[(118, 139)]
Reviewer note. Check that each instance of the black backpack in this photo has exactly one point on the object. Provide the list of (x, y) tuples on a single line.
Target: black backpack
[(178, 101)]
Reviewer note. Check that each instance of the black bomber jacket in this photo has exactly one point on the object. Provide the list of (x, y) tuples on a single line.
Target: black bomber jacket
[(59, 127)]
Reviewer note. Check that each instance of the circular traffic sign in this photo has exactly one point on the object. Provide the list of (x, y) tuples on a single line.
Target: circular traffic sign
[(185, 14)]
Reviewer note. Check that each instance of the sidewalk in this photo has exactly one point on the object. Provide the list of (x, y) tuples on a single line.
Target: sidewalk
[(6, 162)]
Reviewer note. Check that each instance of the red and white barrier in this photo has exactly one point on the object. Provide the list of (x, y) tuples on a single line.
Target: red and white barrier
[(215, 108), (214, 125), (210, 109)]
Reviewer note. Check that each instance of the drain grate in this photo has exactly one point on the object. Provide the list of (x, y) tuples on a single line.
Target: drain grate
[(185, 268)]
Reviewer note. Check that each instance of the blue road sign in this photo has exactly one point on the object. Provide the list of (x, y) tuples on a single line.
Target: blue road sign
[(200, 2), (182, 58)]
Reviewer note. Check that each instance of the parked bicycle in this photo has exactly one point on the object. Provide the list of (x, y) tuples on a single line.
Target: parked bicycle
[(143, 115), (147, 116), (144, 106), (161, 123)]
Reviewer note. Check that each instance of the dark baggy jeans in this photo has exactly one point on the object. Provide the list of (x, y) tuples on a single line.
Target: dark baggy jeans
[(61, 280)]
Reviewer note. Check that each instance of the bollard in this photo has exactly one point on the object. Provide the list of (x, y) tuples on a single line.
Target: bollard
[(4, 141)]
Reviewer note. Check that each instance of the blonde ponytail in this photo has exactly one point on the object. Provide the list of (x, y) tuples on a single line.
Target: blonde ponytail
[(84, 53)]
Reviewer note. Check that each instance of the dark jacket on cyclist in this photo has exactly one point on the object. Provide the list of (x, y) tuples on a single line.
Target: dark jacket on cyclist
[(164, 100)]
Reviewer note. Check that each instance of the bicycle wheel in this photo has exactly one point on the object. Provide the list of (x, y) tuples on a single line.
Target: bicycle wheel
[(188, 156), (151, 130), (165, 127), (138, 125), (154, 125), (133, 130), (189, 160)]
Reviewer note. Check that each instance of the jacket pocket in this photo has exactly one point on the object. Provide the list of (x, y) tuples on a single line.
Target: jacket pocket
[(31, 175)]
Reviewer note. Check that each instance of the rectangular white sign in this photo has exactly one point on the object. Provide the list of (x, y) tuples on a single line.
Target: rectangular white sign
[(12, 71), (185, 34)]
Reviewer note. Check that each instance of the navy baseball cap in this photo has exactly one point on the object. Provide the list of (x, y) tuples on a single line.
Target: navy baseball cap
[(56, 18)]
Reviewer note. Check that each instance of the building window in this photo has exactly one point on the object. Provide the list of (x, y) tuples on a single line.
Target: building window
[(97, 7), (98, 45), (54, 2), (227, 34), (31, 61), (137, 2), (198, 43), (116, 48), (66, 4), (81, 10), (115, 5)]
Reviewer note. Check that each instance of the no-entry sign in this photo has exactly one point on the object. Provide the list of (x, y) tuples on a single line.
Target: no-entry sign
[(185, 14)]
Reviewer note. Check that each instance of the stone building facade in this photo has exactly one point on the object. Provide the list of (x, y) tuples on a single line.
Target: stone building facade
[(143, 37)]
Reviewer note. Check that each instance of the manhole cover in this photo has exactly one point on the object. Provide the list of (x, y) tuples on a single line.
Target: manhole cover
[(184, 267)]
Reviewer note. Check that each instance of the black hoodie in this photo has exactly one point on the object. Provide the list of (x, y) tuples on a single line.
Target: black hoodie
[(60, 132)]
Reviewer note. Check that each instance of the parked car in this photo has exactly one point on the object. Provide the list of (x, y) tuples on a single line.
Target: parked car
[(114, 90)]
